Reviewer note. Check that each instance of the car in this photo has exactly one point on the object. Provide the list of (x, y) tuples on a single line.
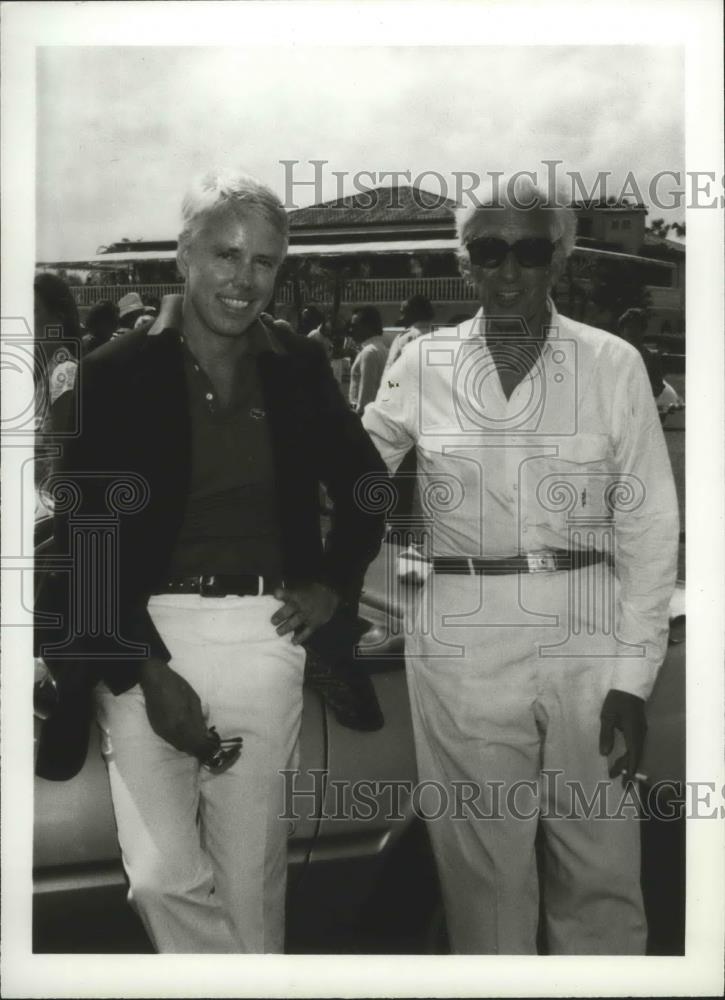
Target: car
[(361, 873), (370, 878), (668, 401)]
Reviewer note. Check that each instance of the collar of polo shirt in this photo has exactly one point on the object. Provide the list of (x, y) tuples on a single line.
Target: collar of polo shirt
[(261, 337)]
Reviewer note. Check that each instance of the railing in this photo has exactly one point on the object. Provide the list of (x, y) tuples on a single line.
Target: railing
[(88, 295), (354, 291), (357, 290)]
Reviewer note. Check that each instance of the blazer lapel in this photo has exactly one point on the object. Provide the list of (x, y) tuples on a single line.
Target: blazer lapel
[(159, 409)]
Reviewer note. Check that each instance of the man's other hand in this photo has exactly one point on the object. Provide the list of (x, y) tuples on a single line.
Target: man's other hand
[(304, 609), (174, 710), (625, 712)]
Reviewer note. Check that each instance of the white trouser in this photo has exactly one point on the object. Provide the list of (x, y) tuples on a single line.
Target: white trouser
[(500, 709), (205, 854)]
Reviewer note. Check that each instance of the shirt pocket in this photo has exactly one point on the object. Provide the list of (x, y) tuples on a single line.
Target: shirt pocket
[(576, 483)]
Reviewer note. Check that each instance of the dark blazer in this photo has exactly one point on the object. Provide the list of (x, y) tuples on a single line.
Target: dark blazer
[(134, 428)]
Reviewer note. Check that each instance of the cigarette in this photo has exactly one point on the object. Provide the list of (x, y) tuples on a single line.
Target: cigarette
[(638, 776)]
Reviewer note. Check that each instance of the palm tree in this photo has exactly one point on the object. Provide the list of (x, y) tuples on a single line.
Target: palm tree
[(659, 228)]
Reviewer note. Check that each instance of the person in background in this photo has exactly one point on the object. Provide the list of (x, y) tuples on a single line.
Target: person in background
[(144, 322), (366, 329), (101, 323), (631, 326), (321, 335), (416, 315), (130, 308), (310, 318), (56, 322), (279, 324), (54, 307)]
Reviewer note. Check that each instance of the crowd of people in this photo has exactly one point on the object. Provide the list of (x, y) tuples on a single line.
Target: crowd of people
[(536, 626), (357, 348)]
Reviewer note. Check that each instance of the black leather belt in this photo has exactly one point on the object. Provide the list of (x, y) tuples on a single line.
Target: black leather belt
[(220, 585), (541, 561)]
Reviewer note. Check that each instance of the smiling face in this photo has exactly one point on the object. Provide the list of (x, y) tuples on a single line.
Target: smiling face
[(230, 267), (510, 292)]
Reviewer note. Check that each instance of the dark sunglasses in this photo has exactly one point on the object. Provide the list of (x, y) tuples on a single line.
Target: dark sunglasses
[(490, 251)]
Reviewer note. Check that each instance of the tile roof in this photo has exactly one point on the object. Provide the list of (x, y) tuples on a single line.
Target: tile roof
[(386, 205), (654, 240)]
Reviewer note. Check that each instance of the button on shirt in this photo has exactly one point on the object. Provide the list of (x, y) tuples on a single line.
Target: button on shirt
[(575, 458), (230, 524)]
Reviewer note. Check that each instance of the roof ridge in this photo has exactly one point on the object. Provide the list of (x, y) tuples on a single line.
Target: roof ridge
[(349, 200)]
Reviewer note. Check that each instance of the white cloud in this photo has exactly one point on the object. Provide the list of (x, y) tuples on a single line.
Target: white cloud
[(120, 130)]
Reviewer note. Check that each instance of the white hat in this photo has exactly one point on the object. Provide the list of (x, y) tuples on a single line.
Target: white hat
[(130, 303)]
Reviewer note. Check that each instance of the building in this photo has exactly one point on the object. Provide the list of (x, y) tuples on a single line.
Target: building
[(670, 301), (615, 226), (384, 245)]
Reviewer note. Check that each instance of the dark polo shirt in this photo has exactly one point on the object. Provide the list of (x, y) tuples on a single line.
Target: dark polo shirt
[(231, 519)]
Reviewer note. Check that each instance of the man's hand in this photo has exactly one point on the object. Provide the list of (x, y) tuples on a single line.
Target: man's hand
[(305, 608), (174, 710), (625, 712)]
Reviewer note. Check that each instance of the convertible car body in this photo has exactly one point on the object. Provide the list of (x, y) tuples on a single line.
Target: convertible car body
[(361, 879)]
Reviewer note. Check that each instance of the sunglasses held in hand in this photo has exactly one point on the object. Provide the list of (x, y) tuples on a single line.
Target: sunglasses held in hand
[(491, 252), (225, 753)]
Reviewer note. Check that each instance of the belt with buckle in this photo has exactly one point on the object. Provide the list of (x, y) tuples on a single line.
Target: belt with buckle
[(540, 561), (220, 585)]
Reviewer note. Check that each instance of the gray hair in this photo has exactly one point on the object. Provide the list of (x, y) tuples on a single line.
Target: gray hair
[(522, 193), (226, 188)]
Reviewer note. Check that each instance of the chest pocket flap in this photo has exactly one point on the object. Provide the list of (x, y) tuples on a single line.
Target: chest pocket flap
[(582, 449)]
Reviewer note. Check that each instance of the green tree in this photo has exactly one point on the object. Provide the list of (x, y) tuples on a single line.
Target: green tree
[(320, 280)]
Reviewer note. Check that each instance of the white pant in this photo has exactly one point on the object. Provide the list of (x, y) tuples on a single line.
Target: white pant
[(205, 854), (501, 710)]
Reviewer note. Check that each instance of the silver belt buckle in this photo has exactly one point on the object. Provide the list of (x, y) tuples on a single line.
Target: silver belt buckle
[(413, 569), (541, 561)]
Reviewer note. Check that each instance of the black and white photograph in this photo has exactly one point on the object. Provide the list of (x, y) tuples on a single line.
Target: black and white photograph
[(362, 438)]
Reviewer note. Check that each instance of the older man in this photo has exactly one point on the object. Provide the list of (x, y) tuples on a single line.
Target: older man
[(224, 427), (541, 621)]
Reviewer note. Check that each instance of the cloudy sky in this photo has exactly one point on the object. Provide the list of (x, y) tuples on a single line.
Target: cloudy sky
[(120, 130)]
